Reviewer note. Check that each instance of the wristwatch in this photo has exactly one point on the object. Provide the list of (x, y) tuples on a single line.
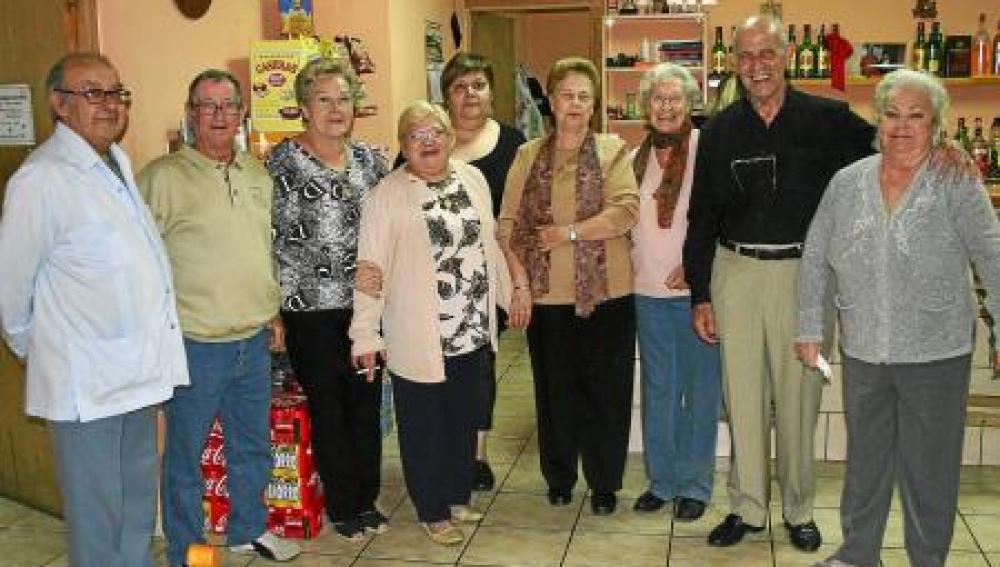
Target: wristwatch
[(573, 234)]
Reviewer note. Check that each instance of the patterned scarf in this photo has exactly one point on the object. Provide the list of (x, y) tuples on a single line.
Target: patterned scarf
[(590, 259), (667, 193)]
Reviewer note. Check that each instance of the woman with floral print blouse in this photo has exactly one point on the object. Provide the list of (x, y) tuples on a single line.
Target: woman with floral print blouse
[(321, 178), (429, 278)]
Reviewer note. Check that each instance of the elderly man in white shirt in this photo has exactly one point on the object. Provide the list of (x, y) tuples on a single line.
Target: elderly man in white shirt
[(86, 299)]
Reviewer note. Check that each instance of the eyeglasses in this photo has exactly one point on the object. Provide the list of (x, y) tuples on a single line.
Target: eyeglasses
[(328, 102), (100, 96), (227, 107), (569, 96), (426, 135), (666, 101), (477, 86)]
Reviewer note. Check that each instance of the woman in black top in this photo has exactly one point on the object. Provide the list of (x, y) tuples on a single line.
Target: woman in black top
[(321, 178), (467, 84)]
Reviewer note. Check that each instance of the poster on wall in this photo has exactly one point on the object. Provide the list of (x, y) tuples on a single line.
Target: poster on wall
[(17, 125), (434, 58), (296, 18)]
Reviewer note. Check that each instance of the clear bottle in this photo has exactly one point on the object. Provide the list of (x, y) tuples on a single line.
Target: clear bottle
[(995, 147), (981, 56), (962, 135), (996, 51)]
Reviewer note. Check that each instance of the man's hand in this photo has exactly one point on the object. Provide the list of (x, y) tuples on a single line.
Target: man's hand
[(276, 334), (808, 353), (704, 323)]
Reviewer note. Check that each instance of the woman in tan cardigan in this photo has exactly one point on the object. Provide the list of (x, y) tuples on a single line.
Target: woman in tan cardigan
[(570, 201), (429, 278)]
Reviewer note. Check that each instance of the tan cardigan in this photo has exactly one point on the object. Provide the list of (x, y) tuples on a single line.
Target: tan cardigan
[(621, 207), (394, 237)]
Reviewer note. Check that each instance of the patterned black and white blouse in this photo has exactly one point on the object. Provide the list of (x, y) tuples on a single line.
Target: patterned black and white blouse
[(462, 280), (317, 216)]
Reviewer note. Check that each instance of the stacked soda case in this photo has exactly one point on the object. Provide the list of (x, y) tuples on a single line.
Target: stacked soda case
[(294, 494)]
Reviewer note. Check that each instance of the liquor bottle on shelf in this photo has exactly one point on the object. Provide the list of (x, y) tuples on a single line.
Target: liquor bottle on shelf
[(995, 148), (962, 135), (822, 54), (792, 68), (719, 55), (935, 51), (867, 61), (981, 60), (980, 149), (732, 49), (612, 6), (807, 54), (919, 52), (996, 50)]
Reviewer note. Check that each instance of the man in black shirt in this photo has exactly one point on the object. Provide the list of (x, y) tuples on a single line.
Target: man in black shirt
[(762, 166)]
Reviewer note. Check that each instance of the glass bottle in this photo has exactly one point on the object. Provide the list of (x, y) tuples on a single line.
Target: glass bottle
[(996, 51), (792, 68), (719, 54), (981, 60), (919, 58), (807, 54), (935, 51), (995, 147), (822, 54), (980, 149), (962, 135)]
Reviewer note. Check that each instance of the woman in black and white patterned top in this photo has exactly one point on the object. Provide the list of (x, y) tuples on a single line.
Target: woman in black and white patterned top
[(321, 178)]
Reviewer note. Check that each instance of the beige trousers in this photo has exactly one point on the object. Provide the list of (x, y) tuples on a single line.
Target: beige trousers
[(755, 310)]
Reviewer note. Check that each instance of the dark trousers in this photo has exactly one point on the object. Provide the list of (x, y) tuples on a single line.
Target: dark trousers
[(437, 435), (343, 407), (583, 370), (905, 425)]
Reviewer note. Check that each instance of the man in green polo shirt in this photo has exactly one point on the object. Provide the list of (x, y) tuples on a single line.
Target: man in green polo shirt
[(212, 205)]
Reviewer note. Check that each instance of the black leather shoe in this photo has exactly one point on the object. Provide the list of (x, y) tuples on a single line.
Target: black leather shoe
[(560, 496), (482, 476), (805, 537), (603, 503), (688, 509), (648, 502), (731, 531)]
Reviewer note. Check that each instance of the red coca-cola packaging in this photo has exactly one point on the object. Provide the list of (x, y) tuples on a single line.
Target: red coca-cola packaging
[(216, 515), (300, 493), (216, 430), (215, 483), (289, 419), (213, 455), (295, 523)]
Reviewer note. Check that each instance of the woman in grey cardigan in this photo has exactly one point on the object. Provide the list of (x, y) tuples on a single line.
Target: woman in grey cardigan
[(896, 237)]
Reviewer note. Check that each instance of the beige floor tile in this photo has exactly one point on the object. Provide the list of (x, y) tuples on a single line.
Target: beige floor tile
[(979, 498), (308, 560), (390, 496), (504, 449), (392, 471), (41, 521), (520, 427), (532, 547), (787, 556), (11, 512), (528, 510), (898, 558), (595, 549), (981, 475), (393, 563), (407, 541), (986, 530), (626, 520), (30, 547), (328, 542), (697, 553)]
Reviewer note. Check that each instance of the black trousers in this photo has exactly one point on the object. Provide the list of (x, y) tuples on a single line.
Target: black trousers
[(437, 434), (583, 371), (344, 410)]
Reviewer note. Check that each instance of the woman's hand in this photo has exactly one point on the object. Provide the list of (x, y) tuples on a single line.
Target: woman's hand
[(675, 279), (367, 363), (551, 236), (520, 307), (808, 353)]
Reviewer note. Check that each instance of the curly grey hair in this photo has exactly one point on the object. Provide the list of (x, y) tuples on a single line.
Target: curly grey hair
[(664, 72), (906, 79)]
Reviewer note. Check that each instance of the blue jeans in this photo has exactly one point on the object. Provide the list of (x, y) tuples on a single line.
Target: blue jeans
[(681, 394), (231, 379), (107, 477)]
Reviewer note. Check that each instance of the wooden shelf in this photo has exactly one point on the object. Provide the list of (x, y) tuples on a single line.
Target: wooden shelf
[(695, 69), (872, 81), (682, 17)]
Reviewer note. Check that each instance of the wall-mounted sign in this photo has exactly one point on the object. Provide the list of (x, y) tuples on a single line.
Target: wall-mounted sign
[(17, 126)]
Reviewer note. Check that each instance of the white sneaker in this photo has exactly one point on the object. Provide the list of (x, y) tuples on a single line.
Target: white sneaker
[(269, 546)]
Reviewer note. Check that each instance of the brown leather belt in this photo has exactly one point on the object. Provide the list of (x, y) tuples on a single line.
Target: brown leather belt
[(764, 253)]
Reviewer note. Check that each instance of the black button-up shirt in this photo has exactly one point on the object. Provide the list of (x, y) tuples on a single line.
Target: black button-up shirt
[(761, 184)]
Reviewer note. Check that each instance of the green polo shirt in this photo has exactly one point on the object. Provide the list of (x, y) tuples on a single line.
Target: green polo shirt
[(215, 220)]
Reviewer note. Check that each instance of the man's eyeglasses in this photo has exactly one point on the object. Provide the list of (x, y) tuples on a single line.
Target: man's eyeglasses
[(100, 96), (227, 107)]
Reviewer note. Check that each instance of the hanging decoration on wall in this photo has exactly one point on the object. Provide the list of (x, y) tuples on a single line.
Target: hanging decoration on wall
[(925, 9), (193, 9), (296, 18), (771, 8), (434, 58)]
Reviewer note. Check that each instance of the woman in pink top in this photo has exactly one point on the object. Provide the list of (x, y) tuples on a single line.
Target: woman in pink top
[(680, 374)]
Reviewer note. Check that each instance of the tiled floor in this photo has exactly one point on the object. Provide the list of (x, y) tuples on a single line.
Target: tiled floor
[(520, 527)]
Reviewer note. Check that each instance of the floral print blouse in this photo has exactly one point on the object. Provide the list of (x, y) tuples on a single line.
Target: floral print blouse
[(462, 281), (317, 215)]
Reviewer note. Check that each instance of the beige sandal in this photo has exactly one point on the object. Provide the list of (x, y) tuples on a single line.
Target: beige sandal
[(443, 533)]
